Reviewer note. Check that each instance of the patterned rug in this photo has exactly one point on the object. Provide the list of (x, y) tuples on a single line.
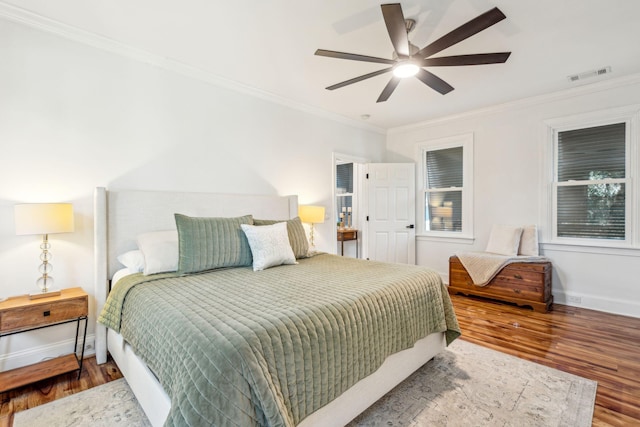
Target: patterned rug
[(470, 385), (464, 385), (111, 404)]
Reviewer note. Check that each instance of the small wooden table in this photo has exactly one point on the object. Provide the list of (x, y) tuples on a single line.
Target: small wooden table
[(22, 314), (345, 235)]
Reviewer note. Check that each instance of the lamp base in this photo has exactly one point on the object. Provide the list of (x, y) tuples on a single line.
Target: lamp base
[(39, 294)]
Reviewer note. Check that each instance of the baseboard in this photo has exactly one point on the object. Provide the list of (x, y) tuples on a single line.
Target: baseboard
[(599, 303), (37, 354)]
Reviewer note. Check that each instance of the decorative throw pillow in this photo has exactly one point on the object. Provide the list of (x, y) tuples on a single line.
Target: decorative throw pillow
[(208, 243), (133, 260), (297, 235), (160, 250), (529, 241), (269, 245), (504, 240)]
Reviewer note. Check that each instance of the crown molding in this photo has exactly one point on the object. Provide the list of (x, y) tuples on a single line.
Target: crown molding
[(39, 22), (563, 94)]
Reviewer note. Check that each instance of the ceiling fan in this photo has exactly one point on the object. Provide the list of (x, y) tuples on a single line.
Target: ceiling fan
[(409, 61)]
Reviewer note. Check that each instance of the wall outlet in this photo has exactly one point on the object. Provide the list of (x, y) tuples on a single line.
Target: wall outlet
[(574, 299)]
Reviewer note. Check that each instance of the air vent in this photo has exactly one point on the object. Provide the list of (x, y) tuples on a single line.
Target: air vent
[(589, 74)]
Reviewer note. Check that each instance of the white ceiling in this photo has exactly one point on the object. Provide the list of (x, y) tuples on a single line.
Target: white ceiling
[(268, 45)]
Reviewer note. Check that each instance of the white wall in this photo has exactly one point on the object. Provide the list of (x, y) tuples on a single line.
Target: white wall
[(73, 117), (508, 141)]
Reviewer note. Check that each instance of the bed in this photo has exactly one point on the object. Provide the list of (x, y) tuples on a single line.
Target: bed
[(316, 383)]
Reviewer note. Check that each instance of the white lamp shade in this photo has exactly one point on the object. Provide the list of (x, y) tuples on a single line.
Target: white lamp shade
[(43, 218), (311, 214)]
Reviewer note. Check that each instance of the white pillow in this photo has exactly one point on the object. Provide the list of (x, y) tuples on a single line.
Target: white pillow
[(133, 260), (504, 240), (269, 245), (529, 241), (160, 249)]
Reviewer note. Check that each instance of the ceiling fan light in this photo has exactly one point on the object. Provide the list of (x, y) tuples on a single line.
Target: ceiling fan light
[(406, 69)]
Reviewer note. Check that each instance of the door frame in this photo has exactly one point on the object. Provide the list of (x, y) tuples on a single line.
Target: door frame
[(359, 191)]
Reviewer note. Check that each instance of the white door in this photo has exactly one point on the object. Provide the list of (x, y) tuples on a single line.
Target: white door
[(391, 231)]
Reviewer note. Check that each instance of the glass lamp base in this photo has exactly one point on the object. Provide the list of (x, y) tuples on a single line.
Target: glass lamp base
[(45, 283)]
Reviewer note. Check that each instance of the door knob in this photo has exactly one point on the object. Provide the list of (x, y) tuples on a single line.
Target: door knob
[(411, 226)]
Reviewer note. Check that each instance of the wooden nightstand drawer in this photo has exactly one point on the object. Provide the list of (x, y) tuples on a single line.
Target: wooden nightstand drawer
[(346, 235), (26, 317)]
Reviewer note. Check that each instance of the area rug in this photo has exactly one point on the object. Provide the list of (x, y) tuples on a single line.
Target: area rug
[(470, 385), (111, 404), (466, 385)]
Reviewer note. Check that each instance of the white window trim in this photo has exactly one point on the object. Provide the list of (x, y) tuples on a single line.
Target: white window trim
[(548, 239), (466, 142)]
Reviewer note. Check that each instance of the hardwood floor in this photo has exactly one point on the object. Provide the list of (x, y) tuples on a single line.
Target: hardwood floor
[(591, 344)]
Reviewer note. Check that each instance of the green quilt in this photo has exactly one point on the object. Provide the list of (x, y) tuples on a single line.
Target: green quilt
[(234, 347)]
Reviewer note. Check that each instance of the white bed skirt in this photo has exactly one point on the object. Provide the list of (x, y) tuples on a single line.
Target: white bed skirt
[(397, 367)]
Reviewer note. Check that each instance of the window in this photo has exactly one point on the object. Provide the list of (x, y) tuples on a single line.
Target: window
[(446, 187), (591, 183), (593, 164), (443, 189)]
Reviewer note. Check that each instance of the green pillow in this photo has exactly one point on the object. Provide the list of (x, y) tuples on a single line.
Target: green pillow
[(208, 243), (297, 235)]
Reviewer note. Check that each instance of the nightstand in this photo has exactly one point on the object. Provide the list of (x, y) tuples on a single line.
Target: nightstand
[(345, 235), (21, 314)]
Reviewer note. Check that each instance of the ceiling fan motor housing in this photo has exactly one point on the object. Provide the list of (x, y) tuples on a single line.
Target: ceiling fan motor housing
[(413, 49)]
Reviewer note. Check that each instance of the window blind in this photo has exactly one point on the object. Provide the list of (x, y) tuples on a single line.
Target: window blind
[(592, 153), (344, 178), (444, 168)]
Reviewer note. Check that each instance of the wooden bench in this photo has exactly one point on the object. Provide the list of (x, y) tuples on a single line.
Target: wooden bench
[(521, 283)]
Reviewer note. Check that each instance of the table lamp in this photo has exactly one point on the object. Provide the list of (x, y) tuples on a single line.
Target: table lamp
[(45, 219), (311, 215)]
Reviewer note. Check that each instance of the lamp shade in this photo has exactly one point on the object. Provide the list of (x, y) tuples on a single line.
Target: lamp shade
[(442, 212), (43, 218), (311, 214)]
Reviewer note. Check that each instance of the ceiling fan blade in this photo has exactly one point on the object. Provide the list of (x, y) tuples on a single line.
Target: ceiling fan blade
[(464, 31), (394, 19), (359, 79), (388, 89), (353, 56), (475, 59), (434, 82)]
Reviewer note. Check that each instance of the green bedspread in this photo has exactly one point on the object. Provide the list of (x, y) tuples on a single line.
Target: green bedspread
[(235, 347)]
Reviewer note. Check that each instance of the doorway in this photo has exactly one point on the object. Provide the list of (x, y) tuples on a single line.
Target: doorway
[(348, 209)]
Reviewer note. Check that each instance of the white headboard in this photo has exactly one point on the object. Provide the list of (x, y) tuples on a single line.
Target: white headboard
[(119, 216)]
